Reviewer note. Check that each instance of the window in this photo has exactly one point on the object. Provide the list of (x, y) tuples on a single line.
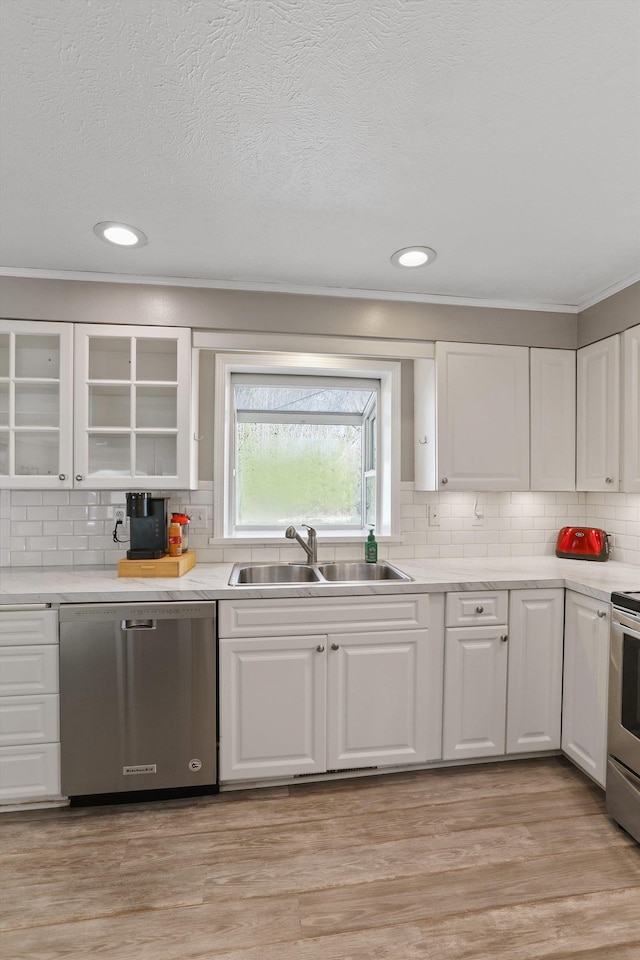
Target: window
[(303, 439), (301, 450)]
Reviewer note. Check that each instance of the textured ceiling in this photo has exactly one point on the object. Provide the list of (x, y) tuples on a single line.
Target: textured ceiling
[(298, 143)]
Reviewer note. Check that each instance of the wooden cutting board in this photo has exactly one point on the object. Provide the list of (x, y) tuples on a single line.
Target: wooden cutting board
[(164, 567)]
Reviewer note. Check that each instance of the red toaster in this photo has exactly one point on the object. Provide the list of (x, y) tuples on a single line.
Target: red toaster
[(582, 543)]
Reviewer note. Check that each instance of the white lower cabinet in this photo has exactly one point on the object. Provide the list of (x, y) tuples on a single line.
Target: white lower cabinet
[(585, 684), (384, 699), (272, 707), (502, 692), (534, 681), (338, 698), (29, 705), (475, 692)]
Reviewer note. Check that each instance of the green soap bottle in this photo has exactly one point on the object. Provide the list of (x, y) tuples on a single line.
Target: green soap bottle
[(371, 548)]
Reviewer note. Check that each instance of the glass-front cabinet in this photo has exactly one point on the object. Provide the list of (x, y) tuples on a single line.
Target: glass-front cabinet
[(132, 407), (36, 389)]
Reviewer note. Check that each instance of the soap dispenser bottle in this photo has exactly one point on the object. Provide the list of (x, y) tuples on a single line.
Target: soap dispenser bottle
[(371, 548)]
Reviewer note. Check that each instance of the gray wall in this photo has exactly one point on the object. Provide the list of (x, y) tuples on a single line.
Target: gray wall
[(610, 316), (92, 302)]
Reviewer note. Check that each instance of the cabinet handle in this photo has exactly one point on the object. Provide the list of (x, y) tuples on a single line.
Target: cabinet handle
[(504, 637), (62, 476), (444, 480), (320, 648), (602, 613), (79, 476), (479, 609), (335, 646), (608, 479)]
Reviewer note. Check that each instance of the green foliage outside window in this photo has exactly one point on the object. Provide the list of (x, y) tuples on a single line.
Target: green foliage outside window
[(298, 473)]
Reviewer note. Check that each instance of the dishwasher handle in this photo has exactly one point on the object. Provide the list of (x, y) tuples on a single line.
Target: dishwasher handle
[(137, 624)]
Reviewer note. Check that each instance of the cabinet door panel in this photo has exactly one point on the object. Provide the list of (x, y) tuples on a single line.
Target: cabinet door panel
[(480, 609), (585, 684), (385, 699), (483, 417), (263, 618), (553, 419), (475, 692), (36, 420), (631, 410), (535, 670), (132, 407), (29, 720), (28, 670), (272, 707), (598, 416), (19, 627), (29, 772)]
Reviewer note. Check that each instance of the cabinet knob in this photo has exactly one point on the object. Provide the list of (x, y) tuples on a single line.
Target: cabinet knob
[(602, 613), (335, 646), (62, 476), (79, 476), (444, 480), (320, 648), (504, 637), (479, 609), (608, 479)]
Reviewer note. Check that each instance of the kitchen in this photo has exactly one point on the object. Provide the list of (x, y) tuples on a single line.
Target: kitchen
[(282, 868)]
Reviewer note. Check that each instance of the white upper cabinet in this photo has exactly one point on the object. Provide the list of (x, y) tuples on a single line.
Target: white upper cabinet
[(132, 407), (553, 419), (36, 387), (598, 416), (631, 410), (482, 417)]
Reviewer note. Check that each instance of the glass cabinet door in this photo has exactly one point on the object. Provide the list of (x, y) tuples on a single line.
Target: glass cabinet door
[(132, 407), (35, 404)]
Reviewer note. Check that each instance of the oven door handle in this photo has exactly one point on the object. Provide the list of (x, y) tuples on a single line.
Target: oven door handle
[(625, 621), (632, 779)]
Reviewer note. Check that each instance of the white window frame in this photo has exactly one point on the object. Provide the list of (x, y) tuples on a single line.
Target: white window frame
[(388, 416)]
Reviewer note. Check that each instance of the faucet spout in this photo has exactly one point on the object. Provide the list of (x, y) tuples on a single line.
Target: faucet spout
[(310, 545)]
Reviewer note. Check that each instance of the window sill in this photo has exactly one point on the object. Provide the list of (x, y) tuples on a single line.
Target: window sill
[(333, 539)]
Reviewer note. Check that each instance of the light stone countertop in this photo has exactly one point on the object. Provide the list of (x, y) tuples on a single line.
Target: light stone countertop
[(209, 581)]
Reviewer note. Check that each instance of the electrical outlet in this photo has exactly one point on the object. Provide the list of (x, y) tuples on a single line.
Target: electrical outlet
[(434, 515), (119, 514)]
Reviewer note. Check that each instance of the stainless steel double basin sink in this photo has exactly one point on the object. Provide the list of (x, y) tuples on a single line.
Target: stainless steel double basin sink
[(317, 573)]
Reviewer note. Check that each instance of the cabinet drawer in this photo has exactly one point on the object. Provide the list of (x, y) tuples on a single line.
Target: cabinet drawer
[(26, 720), (32, 626), (28, 670), (268, 618), (29, 772), (477, 609)]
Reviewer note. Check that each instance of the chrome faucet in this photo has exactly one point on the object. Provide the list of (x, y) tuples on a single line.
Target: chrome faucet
[(310, 545)]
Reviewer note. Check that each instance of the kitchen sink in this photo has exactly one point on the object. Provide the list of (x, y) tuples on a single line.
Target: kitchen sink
[(350, 571), (273, 573), (292, 573)]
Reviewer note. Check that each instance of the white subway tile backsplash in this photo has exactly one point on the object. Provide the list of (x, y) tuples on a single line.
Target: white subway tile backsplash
[(55, 498), (26, 498), (84, 497), (64, 528)]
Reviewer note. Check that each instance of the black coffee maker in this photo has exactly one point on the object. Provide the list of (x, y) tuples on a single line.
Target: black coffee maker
[(147, 526)]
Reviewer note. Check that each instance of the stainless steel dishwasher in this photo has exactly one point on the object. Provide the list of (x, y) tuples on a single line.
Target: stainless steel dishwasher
[(138, 698)]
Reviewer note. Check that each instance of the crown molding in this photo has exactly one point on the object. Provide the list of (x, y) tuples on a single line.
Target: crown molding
[(608, 292), (261, 287)]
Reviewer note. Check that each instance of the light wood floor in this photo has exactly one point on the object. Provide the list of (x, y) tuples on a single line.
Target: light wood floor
[(513, 861)]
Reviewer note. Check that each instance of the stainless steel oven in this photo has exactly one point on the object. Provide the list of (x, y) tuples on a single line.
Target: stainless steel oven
[(623, 740)]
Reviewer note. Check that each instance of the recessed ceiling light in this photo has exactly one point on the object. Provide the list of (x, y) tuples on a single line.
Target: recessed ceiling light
[(119, 234), (413, 257)]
